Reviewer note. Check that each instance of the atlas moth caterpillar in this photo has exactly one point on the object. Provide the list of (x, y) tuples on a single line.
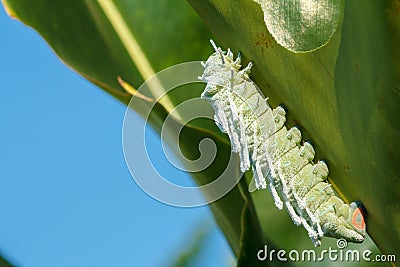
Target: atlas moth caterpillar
[(278, 161)]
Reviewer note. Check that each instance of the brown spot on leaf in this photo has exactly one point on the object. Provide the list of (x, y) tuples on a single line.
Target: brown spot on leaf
[(263, 41)]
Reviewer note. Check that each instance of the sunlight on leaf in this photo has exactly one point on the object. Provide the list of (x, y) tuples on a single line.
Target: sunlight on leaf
[(301, 25)]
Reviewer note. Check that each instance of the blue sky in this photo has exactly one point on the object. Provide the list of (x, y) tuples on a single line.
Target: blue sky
[(66, 195)]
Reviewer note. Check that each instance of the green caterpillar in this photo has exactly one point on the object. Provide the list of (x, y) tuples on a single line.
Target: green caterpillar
[(278, 162)]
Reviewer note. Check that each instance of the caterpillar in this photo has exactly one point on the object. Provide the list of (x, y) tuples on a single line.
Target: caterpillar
[(275, 154)]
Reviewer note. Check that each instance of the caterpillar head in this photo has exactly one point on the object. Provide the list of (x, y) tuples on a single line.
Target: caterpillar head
[(219, 71), (220, 57)]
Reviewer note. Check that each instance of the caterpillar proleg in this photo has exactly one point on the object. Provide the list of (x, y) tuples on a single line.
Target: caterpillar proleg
[(278, 159)]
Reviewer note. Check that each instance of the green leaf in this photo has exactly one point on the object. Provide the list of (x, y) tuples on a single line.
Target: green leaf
[(344, 96), (4, 262), (105, 39), (192, 249), (249, 246), (301, 25)]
